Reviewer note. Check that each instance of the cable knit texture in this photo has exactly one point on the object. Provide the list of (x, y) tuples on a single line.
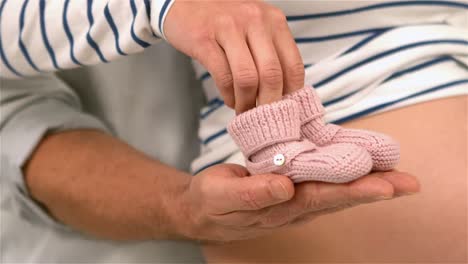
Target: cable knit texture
[(384, 150), (273, 130)]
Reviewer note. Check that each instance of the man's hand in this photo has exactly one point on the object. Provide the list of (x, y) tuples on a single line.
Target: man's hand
[(245, 45), (223, 203), (101, 186)]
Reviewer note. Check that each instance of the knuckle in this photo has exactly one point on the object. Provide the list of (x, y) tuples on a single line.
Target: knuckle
[(277, 15), (248, 198), (313, 203), (252, 10), (204, 48), (224, 80), (226, 21), (248, 222), (295, 73), (269, 190), (246, 79), (269, 221), (276, 218), (272, 75), (202, 36), (274, 222)]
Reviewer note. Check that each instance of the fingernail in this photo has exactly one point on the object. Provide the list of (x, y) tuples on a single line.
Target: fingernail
[(278, 190)]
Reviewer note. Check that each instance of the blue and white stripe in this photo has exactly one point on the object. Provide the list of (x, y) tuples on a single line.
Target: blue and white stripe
[(66, 27), (38, 35), (21, 44), (365, 57)]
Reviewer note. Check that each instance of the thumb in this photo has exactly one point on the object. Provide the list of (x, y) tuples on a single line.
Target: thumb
[(257, 192)]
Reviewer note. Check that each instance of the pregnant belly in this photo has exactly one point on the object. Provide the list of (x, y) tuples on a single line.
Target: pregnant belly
[(428, 227)]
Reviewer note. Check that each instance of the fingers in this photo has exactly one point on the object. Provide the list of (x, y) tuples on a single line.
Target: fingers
[(311, 216), (218, 192), (288, 53), (244, 72), (315, 197), (264, 202), (268, 65), (212, 56), (403, 183), (256, 192), (254, 60)]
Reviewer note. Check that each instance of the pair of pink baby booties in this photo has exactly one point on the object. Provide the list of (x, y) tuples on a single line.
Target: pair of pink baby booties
[(290, 137)]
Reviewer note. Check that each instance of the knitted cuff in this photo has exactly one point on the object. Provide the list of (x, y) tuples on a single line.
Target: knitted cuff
[(309, 103), (266, 125)]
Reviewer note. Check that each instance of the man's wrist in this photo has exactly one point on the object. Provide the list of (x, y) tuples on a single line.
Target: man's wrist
[(173, 209)]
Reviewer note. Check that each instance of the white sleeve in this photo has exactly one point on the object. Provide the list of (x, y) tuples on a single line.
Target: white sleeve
[(39, 36), (30, 109)]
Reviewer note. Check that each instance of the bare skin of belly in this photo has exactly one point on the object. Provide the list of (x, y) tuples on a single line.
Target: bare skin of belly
[(427, 227)]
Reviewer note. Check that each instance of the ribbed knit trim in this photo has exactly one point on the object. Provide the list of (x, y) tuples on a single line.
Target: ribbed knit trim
[(266, 125), (309, 103)]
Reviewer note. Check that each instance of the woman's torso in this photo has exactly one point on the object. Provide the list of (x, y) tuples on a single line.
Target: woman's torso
[(363, 57)]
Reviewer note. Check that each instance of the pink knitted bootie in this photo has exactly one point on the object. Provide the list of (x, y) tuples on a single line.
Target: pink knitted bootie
[(385, 151), (269, 136)]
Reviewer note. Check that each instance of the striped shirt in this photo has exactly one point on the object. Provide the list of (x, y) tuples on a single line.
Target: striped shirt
[(363, 57), (38, 36)]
